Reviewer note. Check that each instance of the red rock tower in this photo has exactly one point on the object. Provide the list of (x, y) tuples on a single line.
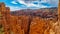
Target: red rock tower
[(3, 20), (2, 8), (59, 10)]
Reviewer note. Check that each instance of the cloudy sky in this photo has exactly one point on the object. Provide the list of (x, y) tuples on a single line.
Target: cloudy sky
[(32, 4)]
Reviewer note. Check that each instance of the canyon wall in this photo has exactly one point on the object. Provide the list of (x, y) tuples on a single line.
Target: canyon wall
[(28, 24)]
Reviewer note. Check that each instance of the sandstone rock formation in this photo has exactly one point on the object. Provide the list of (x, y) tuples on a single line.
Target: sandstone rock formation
[(28, 24)]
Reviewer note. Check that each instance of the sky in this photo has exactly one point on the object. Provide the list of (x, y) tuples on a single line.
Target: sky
[(29, 4)]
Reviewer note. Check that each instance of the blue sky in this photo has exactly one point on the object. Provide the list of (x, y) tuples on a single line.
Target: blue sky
[(32, 4)]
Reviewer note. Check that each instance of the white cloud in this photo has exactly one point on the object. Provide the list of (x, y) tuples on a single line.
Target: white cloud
[(27, 4), (22, 2), (43, 1), (13, 2), (51, 2), (13, 8), (32, 5), (44, 6)]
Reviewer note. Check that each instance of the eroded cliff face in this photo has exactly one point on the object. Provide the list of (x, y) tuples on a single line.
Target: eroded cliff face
[(59, 10), (28, 24), (57, 27), (38, 26)]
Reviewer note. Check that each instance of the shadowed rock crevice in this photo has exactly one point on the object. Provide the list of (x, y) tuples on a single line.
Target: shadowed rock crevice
[(29, 23)]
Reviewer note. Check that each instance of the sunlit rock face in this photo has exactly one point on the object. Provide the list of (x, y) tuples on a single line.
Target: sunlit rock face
[(57, 27), (38, 26), (41, 26), (57, 23), (59, 11), (28, 24)]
